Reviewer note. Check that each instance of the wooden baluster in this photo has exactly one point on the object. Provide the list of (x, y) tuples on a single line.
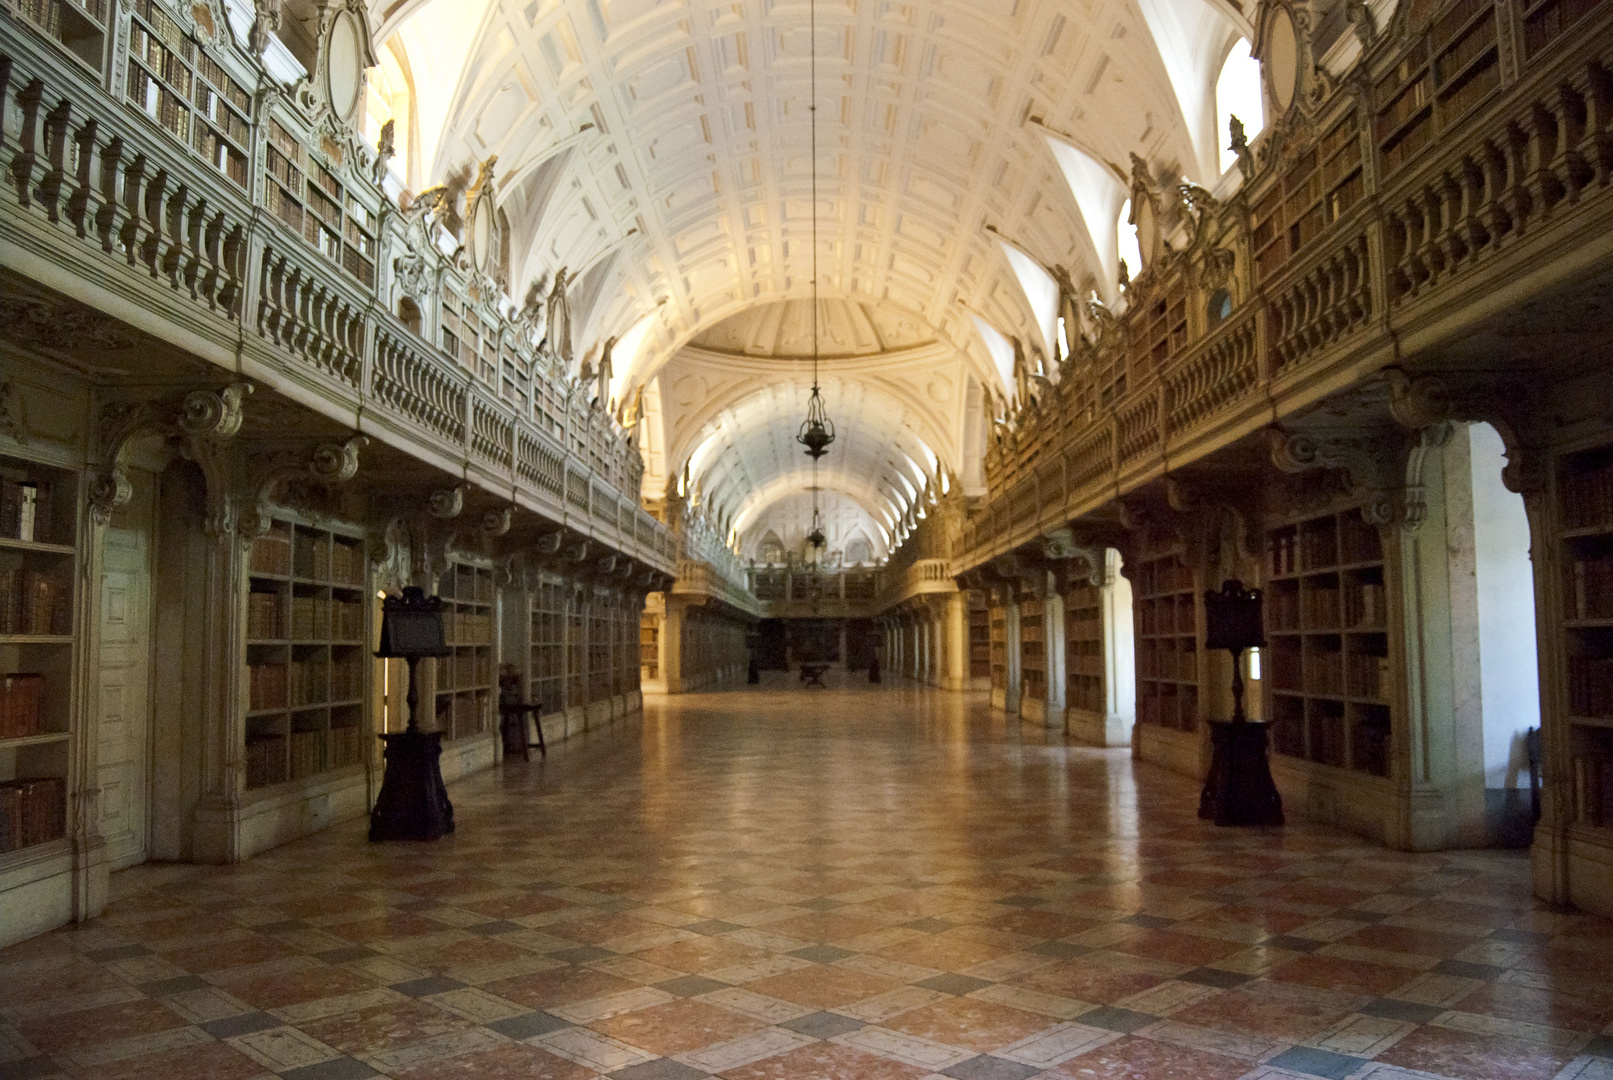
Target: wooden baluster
[(111, 215), (1452, 245), (173, 233), (1427, 207), (134, 184), (78, 201), (1570, 169), (1540, 148), (156, 197), (25, 162), (195, 253), (266, 286), (1514, 196), (1596, 146), (57, 124), (1493, 216), (1470, 181), (211, 238)]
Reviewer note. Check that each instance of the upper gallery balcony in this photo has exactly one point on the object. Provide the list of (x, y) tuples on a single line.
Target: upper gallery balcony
[(1427, 178), (182, 175)]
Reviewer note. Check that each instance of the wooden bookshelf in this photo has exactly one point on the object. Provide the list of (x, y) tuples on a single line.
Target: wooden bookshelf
[(78, 26), (649, 646), (1032, 651), (38, 568), (979, 636), (1441, 77), (576, 669), (1315, 191), (1160, 336), (1544, 21), (601, 635), (1085, 667), (1328, 673), (312, 201), (999, 648), (1585, 497), (625, 646), (548, 676), (182, 89), (305, 653), (466, 686), (1166, 606)]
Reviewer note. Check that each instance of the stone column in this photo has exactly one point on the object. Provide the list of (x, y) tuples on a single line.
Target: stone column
[(1011, 636), (1053, 643), (955, 673), (671, 644)]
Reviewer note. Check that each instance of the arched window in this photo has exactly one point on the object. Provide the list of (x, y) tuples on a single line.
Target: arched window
[(1131, 252), (859, 551), (389, 95), (1237, 93)]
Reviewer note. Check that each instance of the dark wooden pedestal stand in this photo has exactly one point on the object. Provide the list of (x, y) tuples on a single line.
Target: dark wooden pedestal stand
[(413, 803), (1239, 789)]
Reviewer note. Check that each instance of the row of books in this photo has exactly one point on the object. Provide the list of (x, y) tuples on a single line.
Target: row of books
[(1156, 663), (469, 628), (1590, 686), (1086, 692), (1588, 498), (468, 669), (21, 701), (263, 616), (32, 812), (25, 510), (1155, 617), (1315, 607), (34, 601), (303, 682), (1588, 589), (317, 618), (1164, 577), (1168, 705), (317, 558), (265, 761)]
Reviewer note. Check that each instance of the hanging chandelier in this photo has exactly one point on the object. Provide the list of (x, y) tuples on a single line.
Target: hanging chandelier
[(817, 431)]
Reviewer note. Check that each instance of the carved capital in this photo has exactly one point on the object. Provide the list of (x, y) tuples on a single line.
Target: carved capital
[(1372, 462), (338, 462), (214, 415), (1507, 404), (110, 489), (446, 503), (496, 523)]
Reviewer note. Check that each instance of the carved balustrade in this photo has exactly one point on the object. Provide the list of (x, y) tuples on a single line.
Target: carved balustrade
[(107, 204), (1405, 257)]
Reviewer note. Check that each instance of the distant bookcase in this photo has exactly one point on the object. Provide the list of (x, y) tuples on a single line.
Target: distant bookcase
[(1083, 636), (305, 653), (979, 636), (1032, 650), (549, 645), (1327, 668), (999, 647), (1585, 494), (465, 680), (38, 567), (1166, 606), (576, 648), (649, 646), (601, 663)]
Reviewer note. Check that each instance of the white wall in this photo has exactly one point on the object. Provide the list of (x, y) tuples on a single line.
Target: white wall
[(1508, 673)]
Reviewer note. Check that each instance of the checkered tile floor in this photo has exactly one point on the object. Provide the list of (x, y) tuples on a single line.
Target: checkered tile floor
[(861, 884)]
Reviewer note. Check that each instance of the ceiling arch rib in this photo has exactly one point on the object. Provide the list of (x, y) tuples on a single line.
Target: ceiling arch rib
[(700, 112)]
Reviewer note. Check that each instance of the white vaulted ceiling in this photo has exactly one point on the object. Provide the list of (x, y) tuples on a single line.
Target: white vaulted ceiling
[(663, 144)]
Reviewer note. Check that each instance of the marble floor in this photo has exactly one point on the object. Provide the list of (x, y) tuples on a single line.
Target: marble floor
[(864, 883)]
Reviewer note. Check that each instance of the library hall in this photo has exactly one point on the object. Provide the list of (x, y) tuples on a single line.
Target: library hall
[(806, 539)]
